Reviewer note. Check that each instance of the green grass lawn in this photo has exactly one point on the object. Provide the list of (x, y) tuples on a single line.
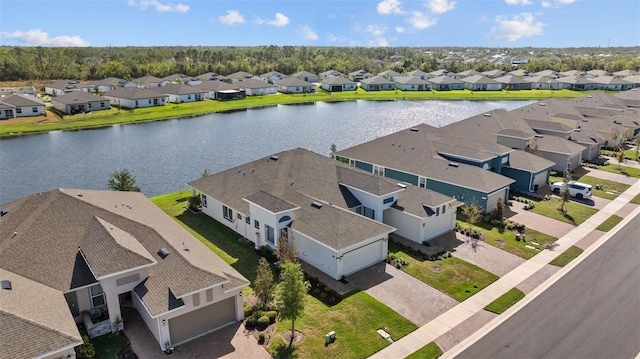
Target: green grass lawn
[(355, 321), (220, 239), (621, 169), (429, 351), (609, 223), (115, 116), (452, 276), (610, 189), (107, 346), (505, 301), (506, 240), (576, 213), (567, 256), (635, 200)]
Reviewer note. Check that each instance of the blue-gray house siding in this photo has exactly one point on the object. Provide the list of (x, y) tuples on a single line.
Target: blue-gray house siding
[(462, 194), (524, 179), (401, 176), (364, 166)]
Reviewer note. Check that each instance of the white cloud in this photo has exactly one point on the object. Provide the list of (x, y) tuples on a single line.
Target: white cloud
[(279, 20), (160, 7), (566, 1), (523, 25), (379, 41), (376, 30), (440, 6), (387, 7), (232, 17), (400, 29), (421, 21), (545, 4), (518, 2), (308, 33), (41, 38)]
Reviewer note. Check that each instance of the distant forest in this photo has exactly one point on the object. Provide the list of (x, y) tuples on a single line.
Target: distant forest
[(91, 63)]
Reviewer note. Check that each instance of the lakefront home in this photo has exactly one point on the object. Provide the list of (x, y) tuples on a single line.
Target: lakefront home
[(339, 216), (338, 84), (135, 97), (13, 106), (105, 251), (79, 102)]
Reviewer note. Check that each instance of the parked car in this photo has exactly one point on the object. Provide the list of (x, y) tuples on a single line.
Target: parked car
[(576, 189)]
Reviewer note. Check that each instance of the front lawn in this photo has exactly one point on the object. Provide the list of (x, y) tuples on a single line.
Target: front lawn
[(355, 321), (621, 169), (429, 351), (452, 276), (567, 256), (107, 346), (505, 301), (635, 200), (609, 189), (576, 213), (507, 240), (220, 239), (609, 223)]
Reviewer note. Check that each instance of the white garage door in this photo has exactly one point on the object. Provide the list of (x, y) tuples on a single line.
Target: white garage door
[(202, 321), (362, 257)]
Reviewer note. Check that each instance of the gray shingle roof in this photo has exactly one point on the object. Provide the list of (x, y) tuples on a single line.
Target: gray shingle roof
[(147, 80), (216, 85), (443, 79), (270, 202), (528, 162), (293, 82), (478, 79), (134, 93), (254, 84), (75, 97), (18, 100), (179, 89), (337, 80), (558, 145), (548, 126), (376, 80)]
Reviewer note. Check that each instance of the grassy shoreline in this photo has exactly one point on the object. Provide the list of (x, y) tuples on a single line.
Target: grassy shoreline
[(52, 122)]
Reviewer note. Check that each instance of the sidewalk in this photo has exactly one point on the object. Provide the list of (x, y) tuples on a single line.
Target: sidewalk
[(471, 307)]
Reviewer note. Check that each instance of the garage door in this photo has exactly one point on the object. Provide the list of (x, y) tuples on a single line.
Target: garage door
[(202, 321), (362, 257)]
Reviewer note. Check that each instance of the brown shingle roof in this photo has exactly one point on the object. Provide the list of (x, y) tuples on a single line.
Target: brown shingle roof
[(22, 100)]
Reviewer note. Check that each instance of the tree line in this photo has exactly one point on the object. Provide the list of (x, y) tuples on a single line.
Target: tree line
[(93, 63)]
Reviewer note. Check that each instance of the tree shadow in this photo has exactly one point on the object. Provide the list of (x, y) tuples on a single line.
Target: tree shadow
[(284, 351)]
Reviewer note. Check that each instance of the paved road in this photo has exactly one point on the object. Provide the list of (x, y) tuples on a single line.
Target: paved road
[(591, 312)]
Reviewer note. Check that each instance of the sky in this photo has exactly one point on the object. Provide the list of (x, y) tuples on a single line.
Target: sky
[(419, 23)]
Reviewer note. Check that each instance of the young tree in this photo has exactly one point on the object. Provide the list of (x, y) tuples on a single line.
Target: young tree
[(205, 173), (290, 294), (565, 194), (498, 210), (264, 283), (287, 248), (333, 148), (620, 156), (122, 180), (472, 212)]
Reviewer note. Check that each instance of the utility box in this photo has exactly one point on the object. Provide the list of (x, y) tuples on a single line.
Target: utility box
[(330, 338)]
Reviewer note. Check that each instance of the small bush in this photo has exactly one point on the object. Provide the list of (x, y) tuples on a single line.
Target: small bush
[(86, 349), (272, 315), (248, 309), (263, 321), (261, 338)]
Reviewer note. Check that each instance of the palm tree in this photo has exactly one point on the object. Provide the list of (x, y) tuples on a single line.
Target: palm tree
[(122, 180)]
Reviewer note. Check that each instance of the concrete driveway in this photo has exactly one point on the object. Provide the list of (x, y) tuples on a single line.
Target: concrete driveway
[(536, 221), (409, 297), (228, 342)]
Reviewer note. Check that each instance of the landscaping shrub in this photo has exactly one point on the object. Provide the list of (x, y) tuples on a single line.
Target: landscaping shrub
[(261, 338), (248, 309), (263, 322), (272, 315), (85, 350)]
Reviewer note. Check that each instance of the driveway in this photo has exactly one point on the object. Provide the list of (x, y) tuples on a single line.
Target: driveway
[(228, 342), (409, 297), (536, 221), (620, 178)]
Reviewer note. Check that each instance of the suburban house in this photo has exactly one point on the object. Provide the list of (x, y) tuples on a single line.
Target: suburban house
[(105, 250), (624, 73), (418, 73), (377, 83), (427, 157), (273, 76), (409, 83), (359, 75), (148, 81), (218, 90), (511, 82), (492, 74), (519, 73), (481, 83), (135, 97), (241, 76), (543, 83), (305, 76), (79, 102), (548, 73), (254, 87), (576, 83), (441, 72), (340, 216), (295, 85), (610, 83), (110, 83), (12, 106), (179, 93), (630, 98), (63, 86), (467, 73), (338, 84), (330, 73), (389, 74), (177, 79), (21, 90), (446, 83)]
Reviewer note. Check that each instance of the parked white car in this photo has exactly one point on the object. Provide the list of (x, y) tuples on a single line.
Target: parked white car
[(576, 189)]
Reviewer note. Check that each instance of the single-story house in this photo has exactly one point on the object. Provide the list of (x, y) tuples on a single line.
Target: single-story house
[(467, 73), (64, 86), (511, 82), (79, 102), (218, 90), (241, 76), (305, 76), (330, 73), (597, 73), (338, 215), (624, 73), (254, 87), (419, 73), (543, 83), (104, 251), (273, 76), (110, 83), (21, 90), (446, 83), (519, 73), (338, 84), (148, 81), (611, 83), (389, 74), (493, 73), (359, 75), (409, 83), (441, 72), (176, 79), (560, 151), (481, 83), (548, 73), (135, 97), (377, 83), (179, 93), (295, 85), (13, 106), (576, 83), (530, 171)]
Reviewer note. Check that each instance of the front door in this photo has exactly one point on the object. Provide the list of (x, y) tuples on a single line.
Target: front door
[(72, 301), (155, 102)]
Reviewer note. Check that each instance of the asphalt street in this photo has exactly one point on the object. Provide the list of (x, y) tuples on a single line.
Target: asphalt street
[(591, 312)]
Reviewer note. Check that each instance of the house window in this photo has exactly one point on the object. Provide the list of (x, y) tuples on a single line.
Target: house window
[(387, 200), (136, 102), (101, 104), (203, 199), (89, 104), (188, 97), (196, 299), (239, 217), (97, 296), (149, 101), (423, 182), (18, 110), (378, 170), (352, 162), (437, 211), (443, 208), (270, 235), (227, 213), (247, 219), (209, 294), (256, 224), (34, 109)]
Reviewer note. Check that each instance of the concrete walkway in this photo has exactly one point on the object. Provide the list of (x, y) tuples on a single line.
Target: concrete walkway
[(468, 309)]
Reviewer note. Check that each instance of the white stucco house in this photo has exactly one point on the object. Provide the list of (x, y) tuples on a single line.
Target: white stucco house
[(135, 97), (340, 216), (13, 106), (79, 102), (254, 87), (104, 251), (338, 84), (179, 93)]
